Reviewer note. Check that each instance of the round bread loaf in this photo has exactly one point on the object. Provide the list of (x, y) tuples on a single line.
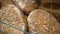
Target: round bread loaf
[(41, 22), (13, 16), (27, 5)]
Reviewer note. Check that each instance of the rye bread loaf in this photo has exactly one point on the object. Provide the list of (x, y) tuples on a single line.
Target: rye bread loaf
[(27, 5), (13, 16), (41, 22)]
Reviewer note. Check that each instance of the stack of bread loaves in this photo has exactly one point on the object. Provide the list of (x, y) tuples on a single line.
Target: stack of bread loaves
[(31, 16)]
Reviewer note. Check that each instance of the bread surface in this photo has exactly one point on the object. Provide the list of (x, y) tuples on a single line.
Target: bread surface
[(41, 22)]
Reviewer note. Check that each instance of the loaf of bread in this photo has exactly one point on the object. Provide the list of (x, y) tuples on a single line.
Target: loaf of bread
[(41, 22), (27, 5), (13, 16)]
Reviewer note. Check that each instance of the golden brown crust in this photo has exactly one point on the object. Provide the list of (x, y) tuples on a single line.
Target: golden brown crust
[(12, 15), (41, 22), (27, 5)]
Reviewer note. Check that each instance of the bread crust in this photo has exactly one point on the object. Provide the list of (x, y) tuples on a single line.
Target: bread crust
[(27, 5), (13, 16), (41, 22)]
